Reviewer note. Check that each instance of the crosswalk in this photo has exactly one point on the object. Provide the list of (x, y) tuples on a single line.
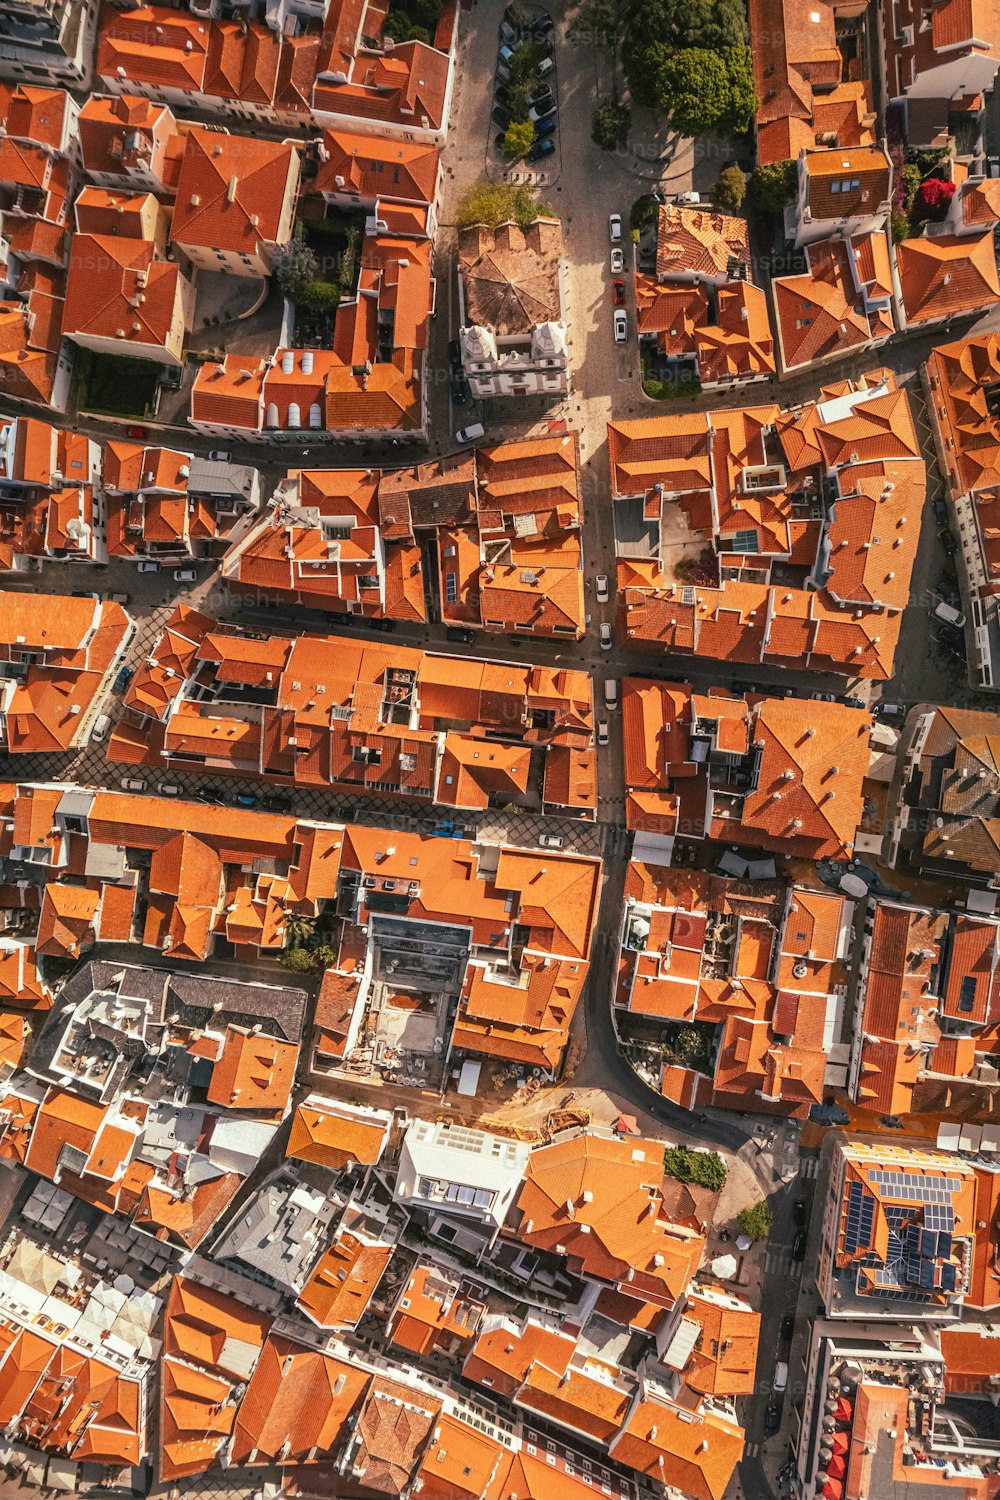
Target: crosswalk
[(809, 1167), (781, 1262), (750, 1450)]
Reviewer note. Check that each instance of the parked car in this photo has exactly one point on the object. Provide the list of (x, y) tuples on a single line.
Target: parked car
[(601, 585), (540, 91), (618, 287), (615, 227), (169, 789), (459, 389), (205, 794), (611, 692), (617, 260), (607, 639), (501, 117), (149, 567), (459, 634), (133, 784), (101, 726), (799, 1210), (385, 626), (546, 67), (539, 111), (184, 575), (949, 543), (602, 732), (546, 127), (772, 1419), (276, 802), (940, 512), (471, 433), (799, 1246), (508, 34), (688, 198), (550, 841), (542, 148), (119, 598), (137, 432), (243, 799), (621, 325), (787, 1327), (454, 353), (219, 456), (780, 1377), (125, 675)]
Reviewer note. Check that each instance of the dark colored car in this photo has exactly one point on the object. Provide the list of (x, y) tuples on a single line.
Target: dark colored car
[(125, 675), (458, 633), (501, 118), (546, 127), (787, 1327), (454, 352), (619, 291), (540, 91), (940, 512), (243, 799), (891, 1122), (544, 104), (459, 390), (949, 543), (387, 626), (541, 148), (772, 1419), (853, 702), (799, 1210), (799, 1246), (276, 802), (205, 794)]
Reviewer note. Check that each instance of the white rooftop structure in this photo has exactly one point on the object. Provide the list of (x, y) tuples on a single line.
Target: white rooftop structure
[(455, 1170)]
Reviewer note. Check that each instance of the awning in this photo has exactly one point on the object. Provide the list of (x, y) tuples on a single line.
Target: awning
[(468, 1081), (627, 1125)]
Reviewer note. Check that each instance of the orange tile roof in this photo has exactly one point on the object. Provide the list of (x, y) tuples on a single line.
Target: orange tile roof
[(106, 306), (298, 1401), (377, 167), (460, 1461), (234, 192), (334, 1134), (605, 1181), (254, 1073), (947, 276), (343, 1281), (695, 240), (697, 1455)]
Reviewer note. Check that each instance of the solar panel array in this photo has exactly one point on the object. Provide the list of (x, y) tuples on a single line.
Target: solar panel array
[(917, 1189), (939, 1216), (860, 1217)]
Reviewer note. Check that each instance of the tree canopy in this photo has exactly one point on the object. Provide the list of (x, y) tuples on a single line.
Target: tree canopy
[(691, 59), (496, 203), (755, 1222)]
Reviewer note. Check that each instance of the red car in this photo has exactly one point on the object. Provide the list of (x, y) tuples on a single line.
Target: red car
[(137, 432), (619, 289)]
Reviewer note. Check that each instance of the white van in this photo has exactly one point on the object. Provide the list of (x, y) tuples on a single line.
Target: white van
[(471, 433), (780, 1377), (611, 693), (950, 616), (101, 726)]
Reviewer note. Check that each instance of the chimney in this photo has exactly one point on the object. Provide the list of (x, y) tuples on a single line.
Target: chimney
[(231, 190)]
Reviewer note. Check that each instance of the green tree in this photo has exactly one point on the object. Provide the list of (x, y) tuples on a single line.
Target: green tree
[(399, 26), (496, 203), (298, 927), (323, 956), (518, 101), (645, 210), (755, 1222), (518, 139), (644, 62), (693, 89), (911, 181), (523, 65), (703, 1167), (295, 267), (742, 110), (771, 187), (900, 226), (688, 1044), (298, 960), (610, 125), (598, 24), (730, 190)]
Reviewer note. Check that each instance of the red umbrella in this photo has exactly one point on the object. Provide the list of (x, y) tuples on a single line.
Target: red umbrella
[(843, 1411), (627, 1125), (833, 1489), (841, 1442), (836, 1468)]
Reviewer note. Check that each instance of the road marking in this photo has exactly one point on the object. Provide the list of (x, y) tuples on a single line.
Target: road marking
[(809, 1167), (751, 1450)]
